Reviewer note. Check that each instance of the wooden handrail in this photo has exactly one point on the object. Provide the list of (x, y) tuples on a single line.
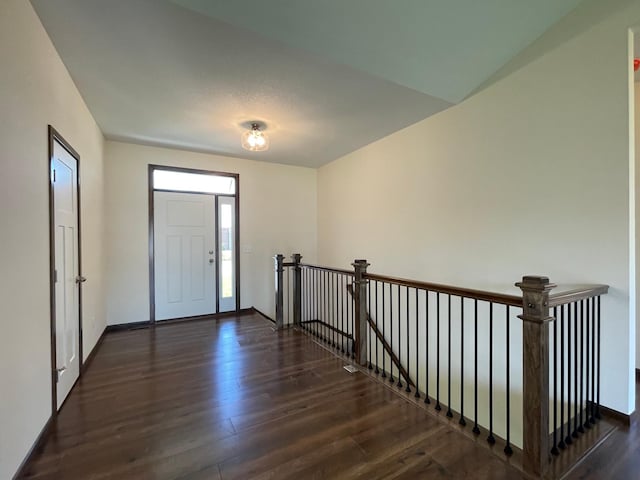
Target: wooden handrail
[(561, 296), (502, 298), (576, 292)]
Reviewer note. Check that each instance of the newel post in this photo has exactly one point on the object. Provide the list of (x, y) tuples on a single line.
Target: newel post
[(279, 267), (297, 289), (535, 337), (360, 299)]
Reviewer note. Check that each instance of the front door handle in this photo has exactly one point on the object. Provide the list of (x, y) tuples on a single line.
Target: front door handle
[(81, 279), (211, 260)]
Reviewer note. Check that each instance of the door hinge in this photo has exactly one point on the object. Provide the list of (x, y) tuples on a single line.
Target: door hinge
[(53, 175), (55, 276)]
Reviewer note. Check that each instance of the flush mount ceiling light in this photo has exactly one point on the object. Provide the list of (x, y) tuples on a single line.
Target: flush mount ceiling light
[(255, 139)]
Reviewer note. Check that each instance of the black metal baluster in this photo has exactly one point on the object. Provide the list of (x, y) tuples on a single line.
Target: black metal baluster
[(384, 321), (334, 310), (570, 312), (561, 444), (586, 344), (309, 297), (330, 299), (288, 292), (305, 289), (322, 300), (369, 326), (462, 421), (344, 293), (314, 290), (491, 439), (554, 448), (426, 347), (377, 330), (303, 297), (309, 274), (417, 395), (314, 297), (438, 407), (476, 430), (391, 379), (408, 389), (353, 322), (507, 449), (399, 339), (316, 281), (449, 412), (581, 423), (599, 378), (320, 303), (329, 309), (576, 366), (337, 311), (592, 419), (339, 294), (327, 328)]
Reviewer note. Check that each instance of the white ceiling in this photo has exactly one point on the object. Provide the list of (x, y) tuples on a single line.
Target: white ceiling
[(327, 77)]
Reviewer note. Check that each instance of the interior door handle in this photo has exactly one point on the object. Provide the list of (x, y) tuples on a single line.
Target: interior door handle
[(81, 279)]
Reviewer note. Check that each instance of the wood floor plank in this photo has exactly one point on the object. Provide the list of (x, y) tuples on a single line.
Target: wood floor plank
[(232, 399)]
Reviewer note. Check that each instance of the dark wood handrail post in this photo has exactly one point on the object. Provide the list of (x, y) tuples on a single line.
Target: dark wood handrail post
[(279, 267), (535, 338), (360, 299), (297, 289)]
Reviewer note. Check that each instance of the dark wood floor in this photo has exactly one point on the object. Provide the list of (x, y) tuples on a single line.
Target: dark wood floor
[(231, 399), (618, 456)]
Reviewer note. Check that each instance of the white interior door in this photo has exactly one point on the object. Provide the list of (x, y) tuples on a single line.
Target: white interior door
[(184, 254), (64, 172)]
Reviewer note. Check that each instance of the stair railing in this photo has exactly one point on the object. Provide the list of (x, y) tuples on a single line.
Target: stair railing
[(523, 369)]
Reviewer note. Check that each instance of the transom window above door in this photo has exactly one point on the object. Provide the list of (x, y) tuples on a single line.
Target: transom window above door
[(176, 181)]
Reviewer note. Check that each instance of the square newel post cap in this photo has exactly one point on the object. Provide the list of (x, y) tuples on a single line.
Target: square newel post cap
[(535, 283), (363, 264), (296, 257)]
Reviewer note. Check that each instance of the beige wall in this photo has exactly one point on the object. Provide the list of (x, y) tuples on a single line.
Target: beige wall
[(277, 215), (36, 90), (530, 176)]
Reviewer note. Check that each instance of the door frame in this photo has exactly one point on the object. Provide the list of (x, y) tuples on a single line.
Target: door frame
[(150, 191), (54, 136)]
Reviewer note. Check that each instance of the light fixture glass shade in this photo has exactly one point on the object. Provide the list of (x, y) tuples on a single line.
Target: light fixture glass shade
[(255, 140)]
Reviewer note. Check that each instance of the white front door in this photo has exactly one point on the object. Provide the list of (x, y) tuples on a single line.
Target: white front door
[(64, 173), (184, 254)]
